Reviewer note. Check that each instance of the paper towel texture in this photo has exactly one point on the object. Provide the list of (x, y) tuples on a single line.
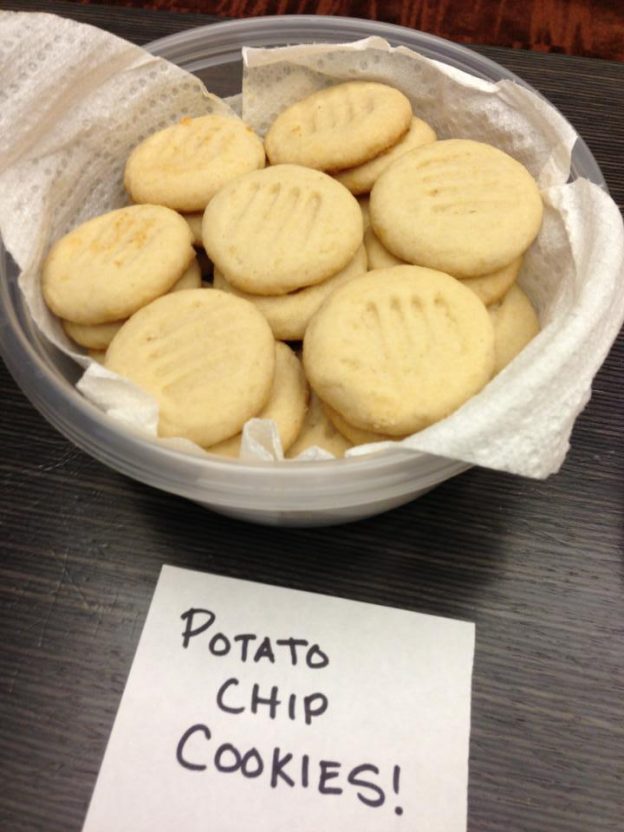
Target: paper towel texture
[(75, 100)]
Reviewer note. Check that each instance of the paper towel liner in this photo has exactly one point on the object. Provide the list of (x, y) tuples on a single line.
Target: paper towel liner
[(75, 100)]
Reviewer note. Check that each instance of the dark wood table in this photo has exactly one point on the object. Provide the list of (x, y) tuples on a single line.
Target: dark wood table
[(537, 565)]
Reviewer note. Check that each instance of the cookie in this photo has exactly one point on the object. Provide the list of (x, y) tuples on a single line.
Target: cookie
[(194, 221), (356, 436), (92, 336), (398, 349), (463, 207), (207, 357), (515, 324), (490, 288), (114, 264), (360, 180), (318, 431), (191, 279), (377, 255), (286, 405), (279, 229), (339, 127), (364, 208), (184, 165), (288, 315), (99, 336)]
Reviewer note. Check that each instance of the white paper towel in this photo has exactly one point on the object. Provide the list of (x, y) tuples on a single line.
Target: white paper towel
[(75, 100)]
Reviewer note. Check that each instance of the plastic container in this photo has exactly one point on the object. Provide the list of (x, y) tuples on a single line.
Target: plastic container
[(292, 493)]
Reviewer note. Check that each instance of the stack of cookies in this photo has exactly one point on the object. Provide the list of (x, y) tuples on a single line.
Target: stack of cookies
[(284, 238), (385, 258), (105, 270)]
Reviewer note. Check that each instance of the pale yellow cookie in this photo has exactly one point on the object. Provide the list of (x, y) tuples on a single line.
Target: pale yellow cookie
[(98, 355), (490, 288), (194, 221), (282, 228), (398, 349), (360, 180), (463, 207), (356, 436), (114, 264), (515, 324), (208, 359), (99, 336), (317, 431), (364, 208), (191, 279), (288, 315), (377, 254), (339, 127), (286, 405), (184, 165), (92, 336)]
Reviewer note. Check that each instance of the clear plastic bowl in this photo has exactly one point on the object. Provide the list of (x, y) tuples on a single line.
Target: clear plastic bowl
[(291, 493)]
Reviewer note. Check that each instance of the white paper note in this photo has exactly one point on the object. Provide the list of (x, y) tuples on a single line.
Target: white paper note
[(251, 707)]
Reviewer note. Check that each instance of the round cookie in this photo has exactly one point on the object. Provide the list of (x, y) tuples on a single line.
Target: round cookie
[(318, 431), (356, 436), (99, 336), (364, 208), (490, 288), (399, 349), (114, 264), (515, 324), (340, 126), (463, 207), (191, 279), (184, 165), (289, 315), (279, 229), (208, 358), (378, 255), (92, 336), (360, 180), (194, 221), (286, 405)]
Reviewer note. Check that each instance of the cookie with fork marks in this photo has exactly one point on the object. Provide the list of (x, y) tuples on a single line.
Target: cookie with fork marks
[(207, 357), (399, 349), (340, 126), (279, 229)]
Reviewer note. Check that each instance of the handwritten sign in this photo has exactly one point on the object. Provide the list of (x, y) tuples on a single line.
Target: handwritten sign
[(250, 707)]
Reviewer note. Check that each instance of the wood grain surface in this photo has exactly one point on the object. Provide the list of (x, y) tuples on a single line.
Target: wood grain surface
[(591, 28), (537, 565)]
